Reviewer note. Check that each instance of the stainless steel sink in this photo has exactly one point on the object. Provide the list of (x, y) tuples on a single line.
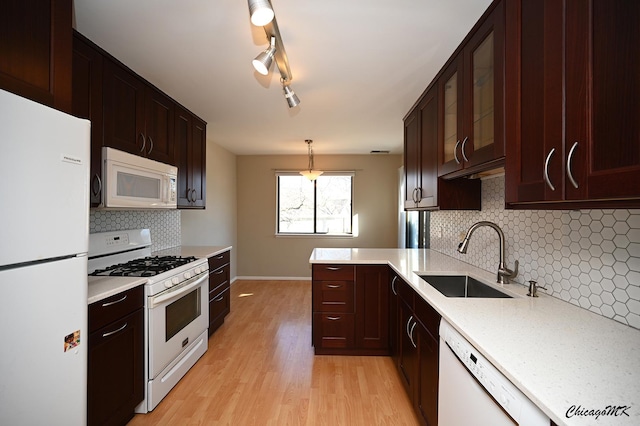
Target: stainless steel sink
[(462, 286)]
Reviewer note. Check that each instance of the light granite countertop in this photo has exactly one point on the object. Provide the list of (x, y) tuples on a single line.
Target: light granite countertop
[(100, 288), (556, 353)]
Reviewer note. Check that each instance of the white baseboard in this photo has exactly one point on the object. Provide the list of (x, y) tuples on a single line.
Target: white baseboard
[(273, 278)]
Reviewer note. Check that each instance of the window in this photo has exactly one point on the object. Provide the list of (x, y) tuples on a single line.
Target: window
[(322, 206)]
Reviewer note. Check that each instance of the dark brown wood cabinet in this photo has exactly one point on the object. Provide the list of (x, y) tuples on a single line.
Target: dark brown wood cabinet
[(424, 190), (350, 309), (394, 318), (115, 380), (190, 157), (574, 97), (87, 103), (219, 289), (471, 96), (35, 50), (417, 331), (138, 118)]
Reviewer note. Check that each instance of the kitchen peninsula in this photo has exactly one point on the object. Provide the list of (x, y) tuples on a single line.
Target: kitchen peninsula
[(559, 355)]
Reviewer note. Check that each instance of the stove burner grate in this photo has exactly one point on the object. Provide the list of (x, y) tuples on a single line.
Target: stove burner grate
[(144, 267)]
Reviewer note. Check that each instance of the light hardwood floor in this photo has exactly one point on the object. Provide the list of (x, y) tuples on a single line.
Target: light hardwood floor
[(260, 370)]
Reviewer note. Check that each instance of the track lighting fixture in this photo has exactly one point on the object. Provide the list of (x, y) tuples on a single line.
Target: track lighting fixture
[(261, 12), (262, 62), (310, 173), (290, 96)]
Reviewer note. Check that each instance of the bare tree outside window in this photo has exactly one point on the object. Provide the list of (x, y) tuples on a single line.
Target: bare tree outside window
[(323, 206)]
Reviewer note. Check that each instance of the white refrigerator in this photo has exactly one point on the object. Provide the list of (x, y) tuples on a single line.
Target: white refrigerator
[(44, 232)]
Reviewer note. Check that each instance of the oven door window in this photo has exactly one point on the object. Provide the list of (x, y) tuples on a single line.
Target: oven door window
[(182, 312)]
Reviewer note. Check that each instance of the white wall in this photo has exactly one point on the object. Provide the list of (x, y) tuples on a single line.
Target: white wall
[(216, 225), (263, 255)]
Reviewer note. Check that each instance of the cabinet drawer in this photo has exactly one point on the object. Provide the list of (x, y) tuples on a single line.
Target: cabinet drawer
[(219, 304), (333, 330), (115, 307), (219, 260), (428, 316), (334, 272), (218, 277), (333, 296)]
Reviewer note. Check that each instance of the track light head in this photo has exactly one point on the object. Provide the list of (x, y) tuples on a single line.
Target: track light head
[(263, 61), (290, 96), (261, 12)]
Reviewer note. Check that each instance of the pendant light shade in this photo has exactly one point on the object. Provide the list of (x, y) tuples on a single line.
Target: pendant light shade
[(261, 12), (310, 173), (291, 97), (263, 61)]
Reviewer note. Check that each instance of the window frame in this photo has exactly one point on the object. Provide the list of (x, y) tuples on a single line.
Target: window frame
[(313, 234)]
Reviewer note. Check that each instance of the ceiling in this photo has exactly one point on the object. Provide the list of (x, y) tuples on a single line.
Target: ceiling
[(357, 65)]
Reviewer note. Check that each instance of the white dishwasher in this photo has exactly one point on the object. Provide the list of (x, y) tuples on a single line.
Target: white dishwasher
[(472, 391)]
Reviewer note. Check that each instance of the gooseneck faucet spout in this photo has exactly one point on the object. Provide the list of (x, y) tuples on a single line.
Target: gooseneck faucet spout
[(504, 273)]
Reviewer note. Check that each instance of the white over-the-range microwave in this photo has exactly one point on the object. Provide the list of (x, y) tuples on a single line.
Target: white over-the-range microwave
[(133, 182)]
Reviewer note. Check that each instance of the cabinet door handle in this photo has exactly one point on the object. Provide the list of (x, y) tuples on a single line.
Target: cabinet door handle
[(455, 152), (464, 155), (569, 158), (333, 318), (411, 334), (193, 195), (546, 169), (333, 268), (96, 178), (104, 305), (150, 145), (407, 326), (393, 285), (334, 285), (144, 142), (115, 331)]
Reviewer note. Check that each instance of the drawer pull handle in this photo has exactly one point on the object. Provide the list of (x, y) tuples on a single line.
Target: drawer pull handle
[(333, 268), (334, 285), (220, 272), (115, 331), (219, 256), (104, 305), (219, 299), (334, 318)]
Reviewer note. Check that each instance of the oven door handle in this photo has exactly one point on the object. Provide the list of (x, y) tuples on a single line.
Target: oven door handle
[(178, 292)]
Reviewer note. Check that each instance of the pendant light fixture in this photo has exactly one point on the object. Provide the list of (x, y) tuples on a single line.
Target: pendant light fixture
[(261, 12), (262, 15), (310, 173)]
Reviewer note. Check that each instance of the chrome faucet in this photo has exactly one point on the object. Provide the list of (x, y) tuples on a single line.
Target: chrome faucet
[(504, 273)]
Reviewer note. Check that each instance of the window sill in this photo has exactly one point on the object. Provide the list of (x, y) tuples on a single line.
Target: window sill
[(314, 236)]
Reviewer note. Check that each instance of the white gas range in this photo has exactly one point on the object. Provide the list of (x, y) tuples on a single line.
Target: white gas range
[(176, 304)]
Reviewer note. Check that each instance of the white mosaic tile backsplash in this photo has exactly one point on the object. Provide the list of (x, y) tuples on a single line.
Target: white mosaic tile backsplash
[(590, 258), (164, 225)]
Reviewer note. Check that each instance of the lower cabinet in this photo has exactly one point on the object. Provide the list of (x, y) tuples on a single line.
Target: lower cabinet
[(350, 309), (115, 381), (417, 349), (219, 290)]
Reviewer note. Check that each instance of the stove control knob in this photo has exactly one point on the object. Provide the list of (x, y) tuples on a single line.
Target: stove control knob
[(197, 270), (187, 275), (175, 280), (168, 284)]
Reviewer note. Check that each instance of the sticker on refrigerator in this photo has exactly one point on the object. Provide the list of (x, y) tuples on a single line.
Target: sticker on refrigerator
[(72, 340)]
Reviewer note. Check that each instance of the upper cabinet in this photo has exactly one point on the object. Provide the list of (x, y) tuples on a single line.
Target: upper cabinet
[(573, 123), (471, 91), (35, 50), (424, 190), (138, 118), (130, 114), (190, 156)]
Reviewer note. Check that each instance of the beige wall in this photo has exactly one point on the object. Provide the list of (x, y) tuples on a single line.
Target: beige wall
[(217, 224), (263, 255)]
